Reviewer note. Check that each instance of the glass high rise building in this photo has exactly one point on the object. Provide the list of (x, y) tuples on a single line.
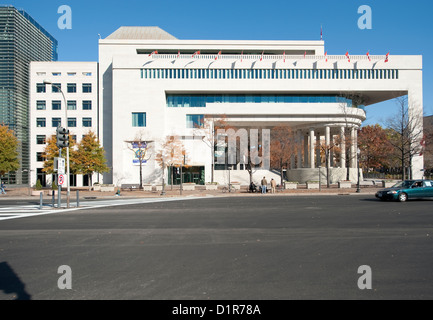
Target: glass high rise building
[(22, 40)]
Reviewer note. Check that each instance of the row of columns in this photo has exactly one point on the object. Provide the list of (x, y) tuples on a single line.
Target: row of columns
[(311, 142)]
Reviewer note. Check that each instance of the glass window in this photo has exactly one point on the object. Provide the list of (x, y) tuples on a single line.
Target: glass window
[(72, 87), (41, 139), (56, 87), (72, 122), (87, 122), (139, 119), (40, 87), (56, 105), (56, 74), (194, 120), (72, 74), (39, 156), (41, 122), (56, 122), (41, 105), (87, 105), (87, 87), (72, 105)]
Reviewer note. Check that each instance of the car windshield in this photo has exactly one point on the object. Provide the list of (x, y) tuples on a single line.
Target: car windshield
[(404, 184)]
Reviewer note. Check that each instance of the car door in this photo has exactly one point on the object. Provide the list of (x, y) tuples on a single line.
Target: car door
[(427, 188), (416, 190)]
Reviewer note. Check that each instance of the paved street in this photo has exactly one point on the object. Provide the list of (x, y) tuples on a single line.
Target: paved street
[(257, 247)]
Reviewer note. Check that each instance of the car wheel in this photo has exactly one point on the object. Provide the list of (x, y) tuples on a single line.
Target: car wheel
[(402, 197)]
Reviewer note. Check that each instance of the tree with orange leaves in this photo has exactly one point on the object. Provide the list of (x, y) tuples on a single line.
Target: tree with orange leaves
[(283, 146), (171, 154)]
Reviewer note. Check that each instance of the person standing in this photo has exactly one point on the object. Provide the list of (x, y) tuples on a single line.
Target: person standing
[(273, 185), (2, 188), (264, 184)]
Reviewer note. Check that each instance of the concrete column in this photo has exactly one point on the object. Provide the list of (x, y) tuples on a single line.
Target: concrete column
[(415, 112), (353, 147), (328, 143), (306, 152), (343, 148), (312, 148), (299, 153), (318, 151)]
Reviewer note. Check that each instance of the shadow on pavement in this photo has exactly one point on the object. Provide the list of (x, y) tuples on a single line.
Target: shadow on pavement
[(10, 283)]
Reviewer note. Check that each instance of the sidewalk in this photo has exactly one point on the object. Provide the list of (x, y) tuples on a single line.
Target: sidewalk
[(25, 193)]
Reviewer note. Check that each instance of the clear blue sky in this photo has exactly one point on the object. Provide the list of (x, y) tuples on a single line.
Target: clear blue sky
[(400, 27)]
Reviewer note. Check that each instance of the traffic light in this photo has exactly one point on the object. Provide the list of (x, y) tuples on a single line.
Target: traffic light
[(62, 135)]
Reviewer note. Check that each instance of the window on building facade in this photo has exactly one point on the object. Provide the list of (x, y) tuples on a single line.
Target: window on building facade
[(72, 87), (139, 119), (56, 105), (56, 74), (40, 156), (41, 122), (41, 139), (40, 87), (194, 120), (56, 87), (87, 87), (56, 122), (72, 105), (87, 105), (72, 122), (87, 122), (41, 105)]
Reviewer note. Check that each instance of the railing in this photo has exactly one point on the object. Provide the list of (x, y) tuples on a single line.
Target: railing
[(266, 57)]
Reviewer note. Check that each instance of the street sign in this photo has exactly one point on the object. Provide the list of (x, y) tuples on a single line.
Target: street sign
[(60, 165), (61, 179)]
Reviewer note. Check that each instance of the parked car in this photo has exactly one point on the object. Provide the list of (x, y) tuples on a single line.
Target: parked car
[(407, 189)]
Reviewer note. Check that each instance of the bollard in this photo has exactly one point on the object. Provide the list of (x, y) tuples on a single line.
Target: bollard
[(40, 201), (78, 198), (53, 198)]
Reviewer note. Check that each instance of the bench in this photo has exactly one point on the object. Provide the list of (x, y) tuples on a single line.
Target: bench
[(130, 186)]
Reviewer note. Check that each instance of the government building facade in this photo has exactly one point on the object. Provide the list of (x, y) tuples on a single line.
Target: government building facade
[(152, 85)]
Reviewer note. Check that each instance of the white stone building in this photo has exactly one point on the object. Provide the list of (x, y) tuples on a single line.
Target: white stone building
[(79, 91), (172, 84)]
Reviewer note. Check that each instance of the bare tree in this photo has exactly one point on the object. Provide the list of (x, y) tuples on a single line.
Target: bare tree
[(405, 135), (207, 131)]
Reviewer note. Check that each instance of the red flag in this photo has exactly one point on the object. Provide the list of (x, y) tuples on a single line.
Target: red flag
[(284, 56), (261, 58), (219, 53), (347, 55), (326, 56), (152, 53), (387, 57), (368, 56), (178, 53), (305, 53), (196, 53)]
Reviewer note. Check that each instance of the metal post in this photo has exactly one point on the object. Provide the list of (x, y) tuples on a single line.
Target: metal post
[(53, 198), (78, 198), (40, 201), (59, 186)]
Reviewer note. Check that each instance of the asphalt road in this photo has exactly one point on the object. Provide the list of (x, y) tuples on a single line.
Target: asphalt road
[(250, 248)]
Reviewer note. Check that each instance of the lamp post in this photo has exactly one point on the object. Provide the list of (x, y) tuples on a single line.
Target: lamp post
[(358, 153), (67, 148)]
